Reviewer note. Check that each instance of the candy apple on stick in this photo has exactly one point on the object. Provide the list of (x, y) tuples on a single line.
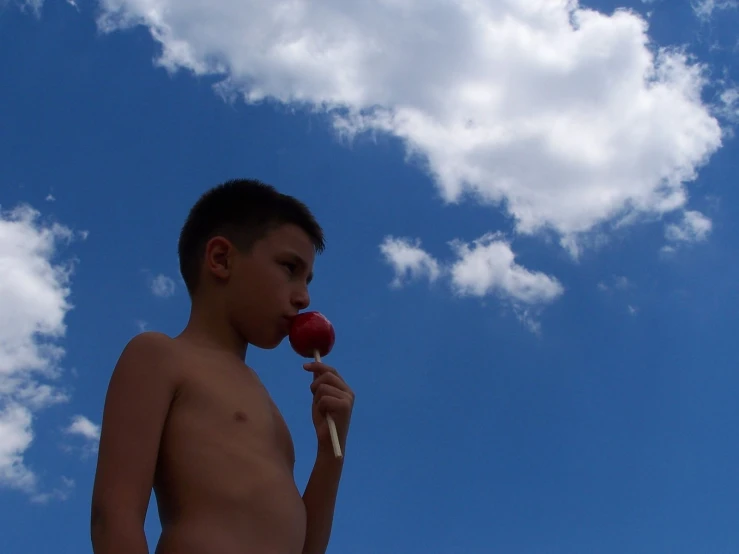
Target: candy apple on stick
[(312, 336)]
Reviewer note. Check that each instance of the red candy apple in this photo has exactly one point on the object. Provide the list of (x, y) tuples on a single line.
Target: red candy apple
[(311, 332)]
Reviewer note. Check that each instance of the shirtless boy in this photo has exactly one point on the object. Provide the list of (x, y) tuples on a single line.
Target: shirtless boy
[(187, 417)]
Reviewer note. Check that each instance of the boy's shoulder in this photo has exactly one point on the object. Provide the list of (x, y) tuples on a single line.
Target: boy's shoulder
[(150, 350), (150, 337), (150, 343)]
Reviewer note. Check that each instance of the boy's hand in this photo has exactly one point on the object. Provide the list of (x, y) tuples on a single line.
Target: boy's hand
[(331, 395)]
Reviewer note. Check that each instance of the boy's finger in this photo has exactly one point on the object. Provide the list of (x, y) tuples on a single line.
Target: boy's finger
[(329, 390), (318, 367), (328, 378)]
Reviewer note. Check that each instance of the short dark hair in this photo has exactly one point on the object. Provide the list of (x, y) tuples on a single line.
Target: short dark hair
[(243, 211)]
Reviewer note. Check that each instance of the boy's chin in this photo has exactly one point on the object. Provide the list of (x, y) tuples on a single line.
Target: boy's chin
[(269, 344)]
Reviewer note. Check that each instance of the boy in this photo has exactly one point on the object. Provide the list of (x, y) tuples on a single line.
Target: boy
[(187, 417)]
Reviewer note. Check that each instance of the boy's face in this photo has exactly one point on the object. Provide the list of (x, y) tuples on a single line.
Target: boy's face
[(268, 285)]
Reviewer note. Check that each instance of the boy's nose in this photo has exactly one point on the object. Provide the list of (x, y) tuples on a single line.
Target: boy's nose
[(301, 300)]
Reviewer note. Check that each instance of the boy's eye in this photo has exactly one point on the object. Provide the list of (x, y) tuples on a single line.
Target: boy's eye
[(291, 267)]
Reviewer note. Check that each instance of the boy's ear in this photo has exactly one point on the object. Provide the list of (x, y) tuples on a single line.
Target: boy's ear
[(219, 253)]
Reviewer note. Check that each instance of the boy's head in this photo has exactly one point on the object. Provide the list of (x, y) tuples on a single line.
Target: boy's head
[(253, 247)]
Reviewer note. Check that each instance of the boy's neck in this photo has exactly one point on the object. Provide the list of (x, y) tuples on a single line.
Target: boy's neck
[(204, 328)]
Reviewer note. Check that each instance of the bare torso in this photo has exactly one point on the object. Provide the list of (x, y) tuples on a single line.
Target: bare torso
[(224, 480)]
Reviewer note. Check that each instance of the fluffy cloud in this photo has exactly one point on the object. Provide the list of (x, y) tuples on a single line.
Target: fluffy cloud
[(693, 227), (162, 286), (34, 292), (566, 117), (704, 8), (82, 426), (409, 260), (89, 432), (488, 266), (729, 106), (484, 268)]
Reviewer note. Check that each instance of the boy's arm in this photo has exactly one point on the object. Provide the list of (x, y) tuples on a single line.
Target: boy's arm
[(320, 500), (139, 395), (330, 394)]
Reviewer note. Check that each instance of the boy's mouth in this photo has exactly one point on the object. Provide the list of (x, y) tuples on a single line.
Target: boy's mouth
[(285, 323)]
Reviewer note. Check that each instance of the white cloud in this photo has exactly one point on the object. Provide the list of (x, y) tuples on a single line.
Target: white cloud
[(89, 431), (622, 282), (16, 435), (619, 283), (704, 8), (484, 268), (82, 426), (34, 291), (36, 5), (162, 286), (488, 266), (58, 493), (566, 117), (693, 227), (668, 250), (33, 5), (729, 104), (409, 260)]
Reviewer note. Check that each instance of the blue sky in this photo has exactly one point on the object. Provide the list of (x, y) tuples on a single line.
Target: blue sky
[(531, 261)]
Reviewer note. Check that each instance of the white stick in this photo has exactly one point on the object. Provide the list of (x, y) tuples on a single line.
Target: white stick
[(330, 421)]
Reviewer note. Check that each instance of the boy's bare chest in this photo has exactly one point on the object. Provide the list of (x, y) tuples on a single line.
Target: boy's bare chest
[(234, 410)]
